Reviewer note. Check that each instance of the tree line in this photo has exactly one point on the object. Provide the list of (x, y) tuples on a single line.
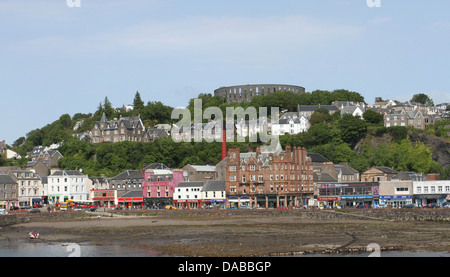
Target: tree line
[(338, 138)]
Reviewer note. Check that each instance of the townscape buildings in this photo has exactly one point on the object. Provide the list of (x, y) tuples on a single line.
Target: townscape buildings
[(266, 177)]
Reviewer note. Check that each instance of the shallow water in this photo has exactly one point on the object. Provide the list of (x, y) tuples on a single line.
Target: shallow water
[(33, 249), (40, 249)]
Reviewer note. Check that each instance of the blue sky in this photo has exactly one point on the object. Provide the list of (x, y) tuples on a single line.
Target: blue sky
[(55, 59)]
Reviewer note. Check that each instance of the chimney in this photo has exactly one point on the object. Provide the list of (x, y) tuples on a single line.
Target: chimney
[(224, 140)]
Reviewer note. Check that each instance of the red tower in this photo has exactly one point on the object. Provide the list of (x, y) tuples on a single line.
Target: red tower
[(224, 140)]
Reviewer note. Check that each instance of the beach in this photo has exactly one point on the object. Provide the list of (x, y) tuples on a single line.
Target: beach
[(238, 233)]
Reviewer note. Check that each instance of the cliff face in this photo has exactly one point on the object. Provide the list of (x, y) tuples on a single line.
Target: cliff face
[(439, 146)]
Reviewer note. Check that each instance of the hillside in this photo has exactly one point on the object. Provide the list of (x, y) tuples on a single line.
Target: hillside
[(361, 143)]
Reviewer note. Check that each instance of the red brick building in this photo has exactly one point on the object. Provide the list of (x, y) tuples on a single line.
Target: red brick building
[(269, 178)]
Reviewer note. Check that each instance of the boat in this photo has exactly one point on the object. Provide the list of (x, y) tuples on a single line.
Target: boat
[(33, 235)]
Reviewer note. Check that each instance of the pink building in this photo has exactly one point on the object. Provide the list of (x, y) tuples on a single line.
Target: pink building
[(158, 186)]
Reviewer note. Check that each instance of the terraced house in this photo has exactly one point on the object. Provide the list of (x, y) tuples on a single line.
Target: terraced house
[(269, 178)]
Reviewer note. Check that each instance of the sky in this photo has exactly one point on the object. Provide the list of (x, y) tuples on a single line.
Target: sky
[(56, 59)]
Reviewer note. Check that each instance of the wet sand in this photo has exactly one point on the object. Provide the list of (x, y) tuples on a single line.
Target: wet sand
[(223, 235)]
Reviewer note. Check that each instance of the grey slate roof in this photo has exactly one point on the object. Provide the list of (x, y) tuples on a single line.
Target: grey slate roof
[(133, 193), (6, 179), (67, 173), (312, 108), (317, 158), (214, 185), (189, 184), (386, 170)]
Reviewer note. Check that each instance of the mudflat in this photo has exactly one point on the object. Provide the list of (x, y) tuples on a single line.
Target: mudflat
[(223, 234)]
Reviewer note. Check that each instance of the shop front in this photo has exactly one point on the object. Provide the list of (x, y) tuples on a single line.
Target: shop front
[(157, 202), (357, 201), (106, 197), (187, 203), (238, 201), (329, 202), (214, 203), (131, 202), (396, 201), (430, 200)]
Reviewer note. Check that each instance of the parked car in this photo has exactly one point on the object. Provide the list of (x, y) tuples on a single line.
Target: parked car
[(13, 208), (409, 206), (3, 212), (37, 206), (34, 211), (92, 209)]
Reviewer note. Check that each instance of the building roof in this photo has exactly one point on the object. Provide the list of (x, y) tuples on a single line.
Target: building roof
[(214, 185), (312, 108), (386, 169), (189, 184), (317, 158), (6, 179), (67, 173), (157, 166), (204, 168), (132, 194)]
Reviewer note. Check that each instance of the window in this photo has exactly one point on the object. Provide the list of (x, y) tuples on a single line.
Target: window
[(252, 167), (419, 189)]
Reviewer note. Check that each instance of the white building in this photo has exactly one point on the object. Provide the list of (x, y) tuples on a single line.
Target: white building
[(188, 195), (67, 185), (30, 187), (214, 194), (431, 192), (290, 123)]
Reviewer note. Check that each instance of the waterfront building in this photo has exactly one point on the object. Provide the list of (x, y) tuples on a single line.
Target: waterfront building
[(426, 193), (30, 188), (67, 185), (214, 194), (127, 181), (8, 192), (348, 195), (269, 177), (159, 186), (104, 197), (131, 199), (188, 195), (396, 193)]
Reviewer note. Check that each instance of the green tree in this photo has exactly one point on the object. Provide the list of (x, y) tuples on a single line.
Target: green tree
[(137, 102), (423, 99), (321, 115), (353, 128), (107, 107), (373, 117)]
